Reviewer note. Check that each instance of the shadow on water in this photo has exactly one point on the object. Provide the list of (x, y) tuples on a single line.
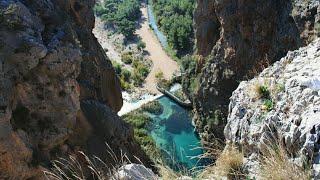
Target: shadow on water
[(175, 136)]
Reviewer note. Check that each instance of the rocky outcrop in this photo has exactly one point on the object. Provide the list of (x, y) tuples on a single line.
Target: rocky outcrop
[(50, 62), (306, 15), (287, 111), (238, 39), (135, 172)]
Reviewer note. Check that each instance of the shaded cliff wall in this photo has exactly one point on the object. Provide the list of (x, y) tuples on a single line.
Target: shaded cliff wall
[(54, 81), (238, 39)]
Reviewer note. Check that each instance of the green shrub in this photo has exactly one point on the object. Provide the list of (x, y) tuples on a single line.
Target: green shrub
[(268, 104), (137, 119), (141, 68), (264, 92), (117, 67), (281, 87), (126, 75), (137, 79), (159, 76), (153, 107), (140, 72), (180, 94), (127, 57), (124, 84), (141, 45)]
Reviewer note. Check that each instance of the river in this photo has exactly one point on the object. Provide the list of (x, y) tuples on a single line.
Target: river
[(174, 134)]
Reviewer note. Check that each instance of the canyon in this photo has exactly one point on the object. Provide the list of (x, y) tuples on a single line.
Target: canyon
[(254, 81)]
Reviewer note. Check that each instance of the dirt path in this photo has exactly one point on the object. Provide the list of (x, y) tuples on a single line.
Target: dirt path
[(161, 61)]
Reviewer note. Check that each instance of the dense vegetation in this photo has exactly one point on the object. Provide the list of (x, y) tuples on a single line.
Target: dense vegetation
[(190, 68), (175, 18), (140, 122), (122, 14), (153, 107), (134, 77)]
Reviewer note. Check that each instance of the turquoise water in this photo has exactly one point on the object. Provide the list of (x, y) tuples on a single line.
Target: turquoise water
[(152, 22), (175, 136)]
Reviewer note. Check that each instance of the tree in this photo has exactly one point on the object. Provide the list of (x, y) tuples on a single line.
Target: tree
[(121, 13), (175, 19), (141, 45)]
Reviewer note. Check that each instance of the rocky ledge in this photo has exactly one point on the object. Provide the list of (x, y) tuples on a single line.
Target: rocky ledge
[(281, 105), (237, 39)]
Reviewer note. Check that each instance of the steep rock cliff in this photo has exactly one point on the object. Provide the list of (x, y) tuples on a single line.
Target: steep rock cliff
[(236, 39), (291, 117), (53, 72)]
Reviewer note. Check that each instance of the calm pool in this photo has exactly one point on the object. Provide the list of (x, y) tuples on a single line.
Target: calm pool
[(175, 136)]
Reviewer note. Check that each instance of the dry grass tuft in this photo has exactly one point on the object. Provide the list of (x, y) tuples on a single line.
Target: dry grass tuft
[(275, 164), (166, 172), (82, 167), (228, 164)]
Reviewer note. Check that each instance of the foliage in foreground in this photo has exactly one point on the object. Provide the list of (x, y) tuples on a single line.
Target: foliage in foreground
[(229, 164), (276, 164), (82, 167)]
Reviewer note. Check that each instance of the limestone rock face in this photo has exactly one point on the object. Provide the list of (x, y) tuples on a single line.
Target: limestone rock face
[(50, 62), (238, 39), (292, 119), (135, 172)]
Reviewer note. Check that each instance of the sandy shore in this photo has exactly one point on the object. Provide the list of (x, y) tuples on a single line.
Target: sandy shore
[(161, 61)]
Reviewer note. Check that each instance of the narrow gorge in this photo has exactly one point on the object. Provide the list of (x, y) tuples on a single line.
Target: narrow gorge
[(82, 81)]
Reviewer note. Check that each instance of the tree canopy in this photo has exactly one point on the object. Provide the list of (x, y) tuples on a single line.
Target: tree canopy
[(120, 13), (175, 18)]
